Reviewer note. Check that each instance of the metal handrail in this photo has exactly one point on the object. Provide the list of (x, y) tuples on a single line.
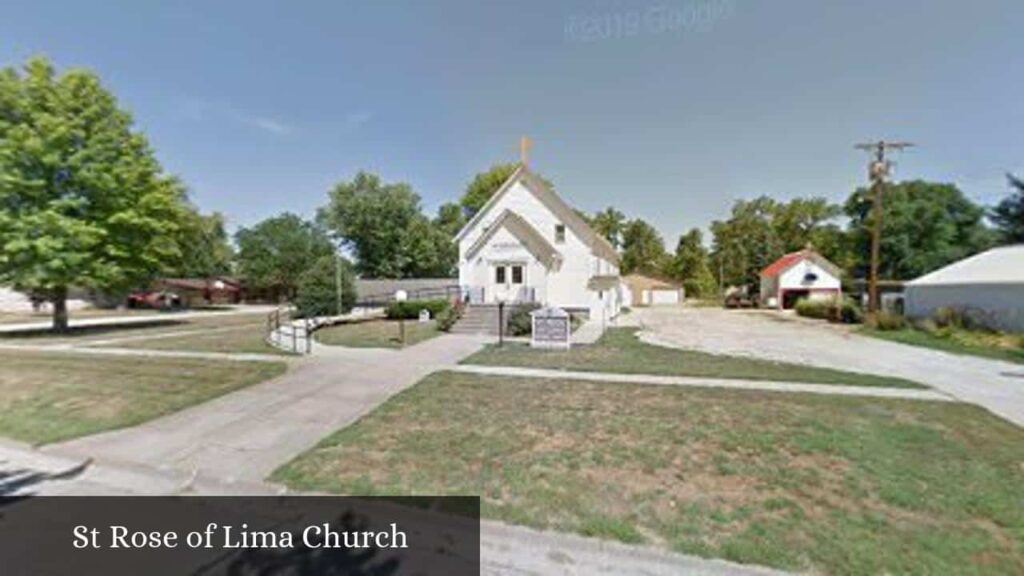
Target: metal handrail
[(287, 335)]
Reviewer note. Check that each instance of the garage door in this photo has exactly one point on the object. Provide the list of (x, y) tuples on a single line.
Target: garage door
[(664, 297)]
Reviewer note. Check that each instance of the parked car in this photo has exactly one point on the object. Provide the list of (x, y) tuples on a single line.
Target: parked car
[(158, 300), (740, 300)]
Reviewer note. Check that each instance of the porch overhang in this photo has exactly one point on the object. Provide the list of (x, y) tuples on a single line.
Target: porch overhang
[(603, 282), (527, 235)]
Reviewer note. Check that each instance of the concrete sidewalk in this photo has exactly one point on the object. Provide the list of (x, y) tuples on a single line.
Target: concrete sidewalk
[(692, 382), (148, 353), (245, 435), (504, 549)]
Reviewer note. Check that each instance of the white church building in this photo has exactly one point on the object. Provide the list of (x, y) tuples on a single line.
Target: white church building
[(527, 246)]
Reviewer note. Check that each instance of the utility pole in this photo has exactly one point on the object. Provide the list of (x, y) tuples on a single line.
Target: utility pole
[(721, 274), (337, 281), (878, 172)]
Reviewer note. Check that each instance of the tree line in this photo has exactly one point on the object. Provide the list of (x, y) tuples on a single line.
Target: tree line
[(85, 204), (925, 225)]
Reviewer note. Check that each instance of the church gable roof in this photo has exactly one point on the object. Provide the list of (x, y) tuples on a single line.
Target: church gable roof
[(565, 213)]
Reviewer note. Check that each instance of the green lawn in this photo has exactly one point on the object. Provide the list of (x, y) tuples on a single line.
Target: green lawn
[(620, 351), (47, 397), (377, 333), (826, 485), (1008, 347)]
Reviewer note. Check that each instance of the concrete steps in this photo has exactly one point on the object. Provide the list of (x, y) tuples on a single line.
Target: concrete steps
[(477, 319), (481, 319)]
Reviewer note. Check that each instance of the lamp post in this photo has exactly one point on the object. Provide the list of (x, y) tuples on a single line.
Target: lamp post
[(501, 323), (401, 296)]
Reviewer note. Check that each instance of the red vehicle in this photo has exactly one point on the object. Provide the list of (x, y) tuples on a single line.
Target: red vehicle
[(159, 300)]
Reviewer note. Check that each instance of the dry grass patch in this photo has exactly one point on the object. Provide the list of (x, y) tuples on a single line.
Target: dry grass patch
[(48, 397), (831, 485), (245, 338)]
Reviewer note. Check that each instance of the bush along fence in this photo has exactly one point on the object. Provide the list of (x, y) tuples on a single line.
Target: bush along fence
[(831, 309), (410, 309)]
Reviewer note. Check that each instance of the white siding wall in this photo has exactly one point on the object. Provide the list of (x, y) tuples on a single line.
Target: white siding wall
[(793, 279), (999, 306), (564, 286)]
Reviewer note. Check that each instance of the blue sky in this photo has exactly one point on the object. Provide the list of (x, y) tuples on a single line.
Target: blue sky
[(668, 110)]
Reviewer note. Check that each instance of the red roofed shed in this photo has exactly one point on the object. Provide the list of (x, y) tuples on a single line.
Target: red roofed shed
[(797, 275)]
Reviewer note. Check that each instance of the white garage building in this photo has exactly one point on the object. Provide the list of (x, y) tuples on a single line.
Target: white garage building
[(797, 275), (647, 291), (987, 286)]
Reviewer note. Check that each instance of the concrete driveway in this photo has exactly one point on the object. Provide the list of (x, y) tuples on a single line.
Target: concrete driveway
[(997, 386)]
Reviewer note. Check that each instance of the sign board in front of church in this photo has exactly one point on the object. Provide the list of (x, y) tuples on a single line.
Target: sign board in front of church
[(551, 328)]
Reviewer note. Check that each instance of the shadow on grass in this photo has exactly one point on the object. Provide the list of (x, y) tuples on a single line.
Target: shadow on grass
[(81, 331)]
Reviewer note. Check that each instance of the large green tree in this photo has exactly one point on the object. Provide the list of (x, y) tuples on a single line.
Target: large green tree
[(1008, 215), (483, 186), (610, 223), (813, 222), (450, 219), (383, 225), (643, 250), (205, 247), (319, 289), (83, 200), (925, 225), (690, 266), (747, 241), (273, 254)]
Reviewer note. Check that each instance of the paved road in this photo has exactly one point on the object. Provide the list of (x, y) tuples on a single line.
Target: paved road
[(997, 386), (245, 435)]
